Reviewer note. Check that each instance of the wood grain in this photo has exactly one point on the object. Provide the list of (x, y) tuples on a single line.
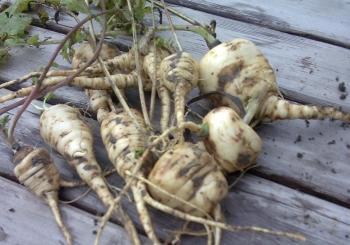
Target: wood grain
[(25, 219), (324, 20), (254, 201)]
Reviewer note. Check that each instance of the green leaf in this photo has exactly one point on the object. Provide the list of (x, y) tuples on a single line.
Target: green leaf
[(55, 65), (19, 6), (43, 16), (4, 121), (49, 96), (33, 40), (14, 25), (15, 41), (4, 54), (138, 153), (204, 132), (34, 80), (67, 51), (75, 5)]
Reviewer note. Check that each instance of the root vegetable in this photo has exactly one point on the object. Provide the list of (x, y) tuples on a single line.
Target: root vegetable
[(195, 178), (125, 141), (179, 73), (232, 142), (63, 128), (121, 80), (151, 65), (35, 170), (240, 69), (84, 52)]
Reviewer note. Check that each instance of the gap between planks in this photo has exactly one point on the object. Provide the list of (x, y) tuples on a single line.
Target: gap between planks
[(323, 21)]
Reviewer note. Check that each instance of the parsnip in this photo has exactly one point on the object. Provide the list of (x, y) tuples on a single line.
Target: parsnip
[(84, 52), (179, 73), (36, 170), (125, 142), (63, 128), (233, 143), (240, 69), (151, 65), (190, 173)]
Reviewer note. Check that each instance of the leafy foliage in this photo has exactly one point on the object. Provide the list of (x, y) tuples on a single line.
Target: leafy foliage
[(75, 6), (4, 120)]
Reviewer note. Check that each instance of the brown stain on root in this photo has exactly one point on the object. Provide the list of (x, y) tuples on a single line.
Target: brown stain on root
[(228, 74), (243, 160), (21, 154)]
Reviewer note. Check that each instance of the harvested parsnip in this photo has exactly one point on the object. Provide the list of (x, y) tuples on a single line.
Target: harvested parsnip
[(232, 142), (240, 69), (195, 178)]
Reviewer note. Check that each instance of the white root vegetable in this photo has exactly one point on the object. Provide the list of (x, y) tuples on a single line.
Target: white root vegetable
[(232, 142), (125, 141), (240, 69), (151, 65), (36, 170), (63, 128), (121, 80), (195, 178), (84, 52), (179, 73)]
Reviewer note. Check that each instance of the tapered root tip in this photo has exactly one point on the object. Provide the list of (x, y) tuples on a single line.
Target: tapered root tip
[(276, 108), (51, 198)]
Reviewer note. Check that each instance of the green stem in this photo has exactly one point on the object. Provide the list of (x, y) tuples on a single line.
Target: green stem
[(203, 32)]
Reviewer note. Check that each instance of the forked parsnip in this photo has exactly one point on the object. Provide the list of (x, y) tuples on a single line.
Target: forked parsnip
[(240, 69), (151, 66), (35, 169), (179, 74)]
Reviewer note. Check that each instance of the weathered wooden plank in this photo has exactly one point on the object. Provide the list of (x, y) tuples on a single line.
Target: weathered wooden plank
[(25, 219), (301, 64), (319, 19), (255, 202), (307, 70), (25, 60)]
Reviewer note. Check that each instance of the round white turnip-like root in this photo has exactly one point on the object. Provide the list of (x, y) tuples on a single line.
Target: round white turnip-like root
[(233, 143), (36, 170), (240, 69), (195, 178)]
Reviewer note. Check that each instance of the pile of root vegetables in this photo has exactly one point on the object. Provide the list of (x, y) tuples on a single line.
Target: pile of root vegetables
[(162, 167)]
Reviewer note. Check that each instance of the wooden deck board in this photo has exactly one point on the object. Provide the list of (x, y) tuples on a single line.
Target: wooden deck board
[(25, 219), (318, 19), (255, 201)]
